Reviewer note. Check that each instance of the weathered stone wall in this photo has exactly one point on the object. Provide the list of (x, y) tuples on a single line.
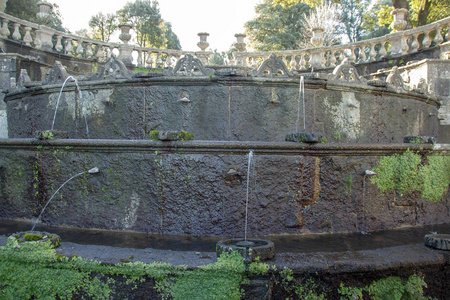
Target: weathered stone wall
[(185, 188), (225, 108)]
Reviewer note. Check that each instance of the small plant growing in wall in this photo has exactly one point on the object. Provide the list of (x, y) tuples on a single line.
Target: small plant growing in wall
[(406, 172)]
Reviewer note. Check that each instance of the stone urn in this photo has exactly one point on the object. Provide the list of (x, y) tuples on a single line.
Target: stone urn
[(240, 45), (399, 15), (318, 37), (44, 14), (125, 35), (203, 44)]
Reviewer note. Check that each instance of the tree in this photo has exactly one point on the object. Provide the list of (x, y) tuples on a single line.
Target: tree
[(27, 10), (150, 28), (172, 41), (146, 20), (421, 12), (277, 27), (103, 26), (351, 18)]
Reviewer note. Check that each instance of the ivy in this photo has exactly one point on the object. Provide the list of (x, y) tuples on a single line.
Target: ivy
[(33, 270), (406, 173), (390, 288)]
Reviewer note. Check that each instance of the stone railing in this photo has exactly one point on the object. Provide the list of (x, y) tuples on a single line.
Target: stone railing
[(45, 38), (394, 44), (398, 43)]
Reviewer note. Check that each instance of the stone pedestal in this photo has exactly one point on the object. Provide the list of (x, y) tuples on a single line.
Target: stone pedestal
[(44, 38), (125, 55)]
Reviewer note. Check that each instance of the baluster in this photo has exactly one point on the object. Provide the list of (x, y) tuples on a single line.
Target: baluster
[(5, 30), (80, 50), (110, 54), (139, 58), (362, 54), (415, 43), (58, 45), (404, 44), (333, 58), (159, 62), (373, 52), (100, 53), (383, 51), (426, 40), (352, 56), (302, 62), (27, 37), (69, 47), (37, 41), (89, 51), (438, 39), (293, 63), (149, 59), (16, 34)]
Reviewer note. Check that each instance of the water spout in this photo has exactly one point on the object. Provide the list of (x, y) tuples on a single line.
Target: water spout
[(301, 94), (80, 95), (250, 156), (91, 171)]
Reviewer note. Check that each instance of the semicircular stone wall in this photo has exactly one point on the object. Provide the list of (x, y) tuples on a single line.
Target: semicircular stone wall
[(221, 108)]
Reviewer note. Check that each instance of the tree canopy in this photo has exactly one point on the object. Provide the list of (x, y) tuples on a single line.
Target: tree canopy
[(277, 27), (150, 28), (27, 10), (103, 26)]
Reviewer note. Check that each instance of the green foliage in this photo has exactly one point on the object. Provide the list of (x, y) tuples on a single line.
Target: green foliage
[(397, 172), (47, 135), (435, 177), (276, 27), (103, 26), (153, 134), (150, 28), (30, 270), (406, 173), (390, 288), (27, 10), (184, 136)]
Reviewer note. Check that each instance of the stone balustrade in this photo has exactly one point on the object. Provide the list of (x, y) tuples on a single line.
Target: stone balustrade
[(46, 38), (394, 44)]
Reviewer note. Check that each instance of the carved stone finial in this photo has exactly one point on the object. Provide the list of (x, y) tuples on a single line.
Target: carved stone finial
[(57, 74), (346, 71), (113, 68), (23, 78), (272, 67), (395, 79), (188, 65)]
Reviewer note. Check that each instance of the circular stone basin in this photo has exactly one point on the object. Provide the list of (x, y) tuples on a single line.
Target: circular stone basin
[(41, 236), (250, 249), (438, 241)]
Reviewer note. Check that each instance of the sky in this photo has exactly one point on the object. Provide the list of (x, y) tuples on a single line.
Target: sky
[(221, 19)]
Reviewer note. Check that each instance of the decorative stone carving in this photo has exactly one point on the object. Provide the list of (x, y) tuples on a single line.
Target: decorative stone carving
[(318, 37), (57, 74), (113, 68), (395, 79), (203, 44), (188, 65), (399, 15), (24, 78), (125, 35), (272, 67), (44, 14), (346, 71)]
